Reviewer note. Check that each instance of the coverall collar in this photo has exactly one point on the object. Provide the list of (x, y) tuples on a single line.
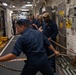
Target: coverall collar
[(27, 29)]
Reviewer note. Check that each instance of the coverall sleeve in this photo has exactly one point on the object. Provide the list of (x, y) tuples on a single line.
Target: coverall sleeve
[(55, 28), (45, 41), (18, 47)]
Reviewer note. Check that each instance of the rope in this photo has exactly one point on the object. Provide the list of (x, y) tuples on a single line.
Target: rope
[(26, 58), (9, 68), (61, 34), (22, 59), (63, 47), (17, 60)]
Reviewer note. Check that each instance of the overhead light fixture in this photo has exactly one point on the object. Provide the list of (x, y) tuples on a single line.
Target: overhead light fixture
[(23, 6), (5, 4), (13, 6), (28, 2), (28, 5), (24, 9)]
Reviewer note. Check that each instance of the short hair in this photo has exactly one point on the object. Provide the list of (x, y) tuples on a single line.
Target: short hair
[(23, 22), (40, 17), (46, 15)]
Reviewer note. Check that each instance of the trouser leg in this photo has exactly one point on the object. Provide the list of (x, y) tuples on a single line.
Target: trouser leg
[(28, 70), (52, 63), (45, 68)]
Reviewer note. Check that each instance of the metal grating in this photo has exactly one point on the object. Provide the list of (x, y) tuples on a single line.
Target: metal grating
[(64, 67)]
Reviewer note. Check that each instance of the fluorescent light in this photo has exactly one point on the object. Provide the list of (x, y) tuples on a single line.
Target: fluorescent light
[(23, 6), (13, 6), (28, 5), (24, 9), (28, 2), (5, 4)]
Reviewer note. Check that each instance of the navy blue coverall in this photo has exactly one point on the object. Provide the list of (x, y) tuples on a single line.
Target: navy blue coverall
[(41, 24), (51, 30), (34, 22), (32, 44)]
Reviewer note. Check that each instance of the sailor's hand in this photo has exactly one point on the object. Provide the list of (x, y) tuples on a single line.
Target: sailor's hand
[(49, 39), (35, 26), (40, 29), (57, 53)]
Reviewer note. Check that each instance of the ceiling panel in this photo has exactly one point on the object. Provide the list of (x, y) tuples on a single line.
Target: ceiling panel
[(17, 3)]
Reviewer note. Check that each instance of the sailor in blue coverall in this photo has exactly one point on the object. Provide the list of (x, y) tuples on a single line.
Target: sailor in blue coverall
[(33, 22), (31, 43), (50, 30)]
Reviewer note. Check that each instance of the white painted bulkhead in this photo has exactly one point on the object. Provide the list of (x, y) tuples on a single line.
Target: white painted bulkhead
[(8, 23)]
